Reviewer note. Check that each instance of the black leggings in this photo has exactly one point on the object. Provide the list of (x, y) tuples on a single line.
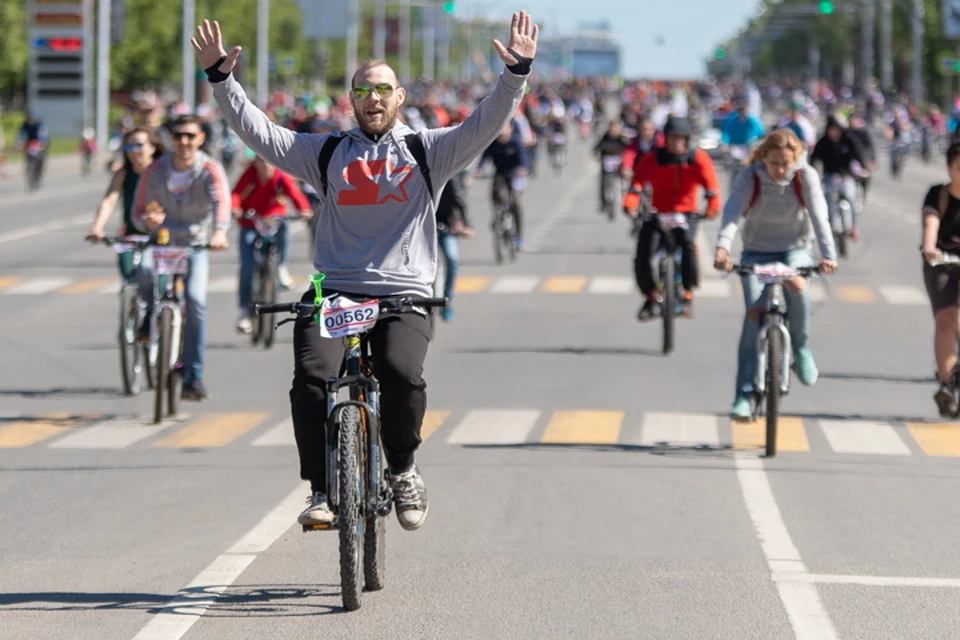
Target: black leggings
[(398, 346), (503, 193), (648, 241)]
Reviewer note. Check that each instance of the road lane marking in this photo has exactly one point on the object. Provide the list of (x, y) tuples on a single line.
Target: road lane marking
[(753, 435), (854, 294), (611, 285), (86, 286), (432, 421), (862, 436), (564, 284), (23, 433), (27, 232), (494, 427), (177, 616), (713, 289), (8, 282), (678, 429), (515, 284), (894, 294), (806, 612), (37, 286), (215, 430), (583, 427), (471, 284), (536, 239), (818, 292), (876, 581), (939, 440), (110, 434), (223, 284), (279, 435)]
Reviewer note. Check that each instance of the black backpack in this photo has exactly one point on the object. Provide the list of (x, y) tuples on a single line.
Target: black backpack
[(414, 144)]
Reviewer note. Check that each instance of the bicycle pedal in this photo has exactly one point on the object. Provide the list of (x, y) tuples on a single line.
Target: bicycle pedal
[(319, 527)]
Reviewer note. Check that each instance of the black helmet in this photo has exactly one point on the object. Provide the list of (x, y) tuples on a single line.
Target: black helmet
[(677, 126)]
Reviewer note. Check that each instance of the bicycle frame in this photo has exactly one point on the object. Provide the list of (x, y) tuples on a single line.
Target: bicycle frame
[(773, 317), (165, 296)]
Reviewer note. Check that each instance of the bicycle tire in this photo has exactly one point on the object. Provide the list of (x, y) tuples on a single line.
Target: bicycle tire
[(510, 238), (131, 365), (668, 309), (774, 380), (164, 330), (351, 523), (258, 321), (497, 238), (840, 239), (268, 293), (374, 536), (175, 379)]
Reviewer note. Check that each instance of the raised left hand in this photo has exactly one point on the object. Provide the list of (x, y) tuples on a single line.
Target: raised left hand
[(523, 39)]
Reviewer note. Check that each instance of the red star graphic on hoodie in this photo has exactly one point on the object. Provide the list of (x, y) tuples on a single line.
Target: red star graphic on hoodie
[(374, 182)]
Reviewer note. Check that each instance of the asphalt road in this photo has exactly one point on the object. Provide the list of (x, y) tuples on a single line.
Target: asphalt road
[(581, 484)]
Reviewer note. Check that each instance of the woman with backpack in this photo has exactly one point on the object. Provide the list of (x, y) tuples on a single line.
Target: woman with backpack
[(779, 201)]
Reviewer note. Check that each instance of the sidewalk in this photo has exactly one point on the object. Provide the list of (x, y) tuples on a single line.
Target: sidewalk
[(60, 165)]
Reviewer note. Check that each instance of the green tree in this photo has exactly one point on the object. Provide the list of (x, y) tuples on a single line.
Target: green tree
[(13, 46)]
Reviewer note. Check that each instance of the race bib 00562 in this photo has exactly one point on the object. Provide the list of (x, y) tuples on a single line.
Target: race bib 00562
[(340, 317)]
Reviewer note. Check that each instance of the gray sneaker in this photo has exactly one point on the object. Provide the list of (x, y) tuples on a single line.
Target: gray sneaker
[(409, 498), (318, 511)]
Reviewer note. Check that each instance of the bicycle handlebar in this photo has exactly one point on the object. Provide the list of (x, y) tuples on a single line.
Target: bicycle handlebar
[(747, 269), (388, 305), (151, 242)]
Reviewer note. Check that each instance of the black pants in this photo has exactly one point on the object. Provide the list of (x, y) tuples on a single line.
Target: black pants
[(503, 193), (398, 346), (648, 242)]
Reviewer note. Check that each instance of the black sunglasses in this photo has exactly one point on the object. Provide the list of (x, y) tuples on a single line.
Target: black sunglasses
[(383, 89), (178, 135)]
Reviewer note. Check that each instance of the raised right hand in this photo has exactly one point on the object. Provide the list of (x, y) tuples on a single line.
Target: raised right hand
[(209, 47)]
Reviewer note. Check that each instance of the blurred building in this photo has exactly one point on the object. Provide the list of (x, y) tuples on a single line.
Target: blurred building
[(591, 51)]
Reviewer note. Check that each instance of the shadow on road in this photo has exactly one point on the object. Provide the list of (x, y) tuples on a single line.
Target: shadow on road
[(244, 601), (568, 351), (64, 392), (658, 449), (875, 377)]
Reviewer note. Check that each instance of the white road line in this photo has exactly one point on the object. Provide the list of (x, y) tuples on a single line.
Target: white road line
[(800, 599), (36, 230), (112, 288), (903, 295), (494, 427), (515, 284), (661, 428), (176, 618), (37, 286), (713, 289), (861, 436), (224, 284), (111, 434), (612, 285), (874, 581), (280, 435), (536, 239)]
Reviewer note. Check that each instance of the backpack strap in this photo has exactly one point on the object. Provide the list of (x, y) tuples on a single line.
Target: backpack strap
[(798, 187), (943, 199), (326, 152), (415, 145), (756, 192)]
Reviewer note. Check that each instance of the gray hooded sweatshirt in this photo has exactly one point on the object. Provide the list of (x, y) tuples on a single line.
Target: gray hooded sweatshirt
[(777, 222), (377, 228)]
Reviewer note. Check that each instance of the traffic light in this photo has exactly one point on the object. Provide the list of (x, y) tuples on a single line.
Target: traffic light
[(826, 7), (720, 53), (449, 7)]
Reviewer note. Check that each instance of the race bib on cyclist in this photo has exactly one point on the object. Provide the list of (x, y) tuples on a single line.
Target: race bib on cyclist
[(341, 317), (171, 260), (773, 272), (611, 163), (123, 247), (673, 220)]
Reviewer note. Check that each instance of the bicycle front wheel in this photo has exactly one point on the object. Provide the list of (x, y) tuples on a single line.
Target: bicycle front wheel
[(774, 380), (164, 336), (668, 309), (351, 493), (131, 360), (268, 293)]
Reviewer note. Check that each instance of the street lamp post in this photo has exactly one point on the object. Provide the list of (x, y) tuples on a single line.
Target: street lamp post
[(263, 54), (189, 63)]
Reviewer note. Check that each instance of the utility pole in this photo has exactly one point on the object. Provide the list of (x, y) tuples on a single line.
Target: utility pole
[(429, 41), (189, 62), (263, 53), (379, 29), (103, 73), (404, 41), (869, 16), (916, 66), (444, 71), (886, 71)]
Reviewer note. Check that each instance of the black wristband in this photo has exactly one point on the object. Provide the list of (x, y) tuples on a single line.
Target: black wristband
[(523, 65), (213, 71)]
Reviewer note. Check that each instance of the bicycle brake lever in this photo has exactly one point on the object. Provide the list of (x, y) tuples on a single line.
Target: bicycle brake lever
[(283, 322)]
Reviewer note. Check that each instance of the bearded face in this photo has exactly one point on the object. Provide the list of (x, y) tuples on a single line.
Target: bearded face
[(376, 98)]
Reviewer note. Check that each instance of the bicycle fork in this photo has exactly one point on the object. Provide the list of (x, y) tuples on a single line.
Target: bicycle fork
[(773, 320)]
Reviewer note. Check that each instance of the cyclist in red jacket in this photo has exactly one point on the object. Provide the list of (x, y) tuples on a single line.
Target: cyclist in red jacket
[(674, 173), (264, 189)]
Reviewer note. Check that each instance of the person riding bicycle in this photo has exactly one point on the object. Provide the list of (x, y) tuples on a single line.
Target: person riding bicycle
[(33, 138), (376, 237), (609, 150), (941, 232), (777, 198), (511, 161), (740, 128), (675, 172), (186, 192), (860, 130), (837, 150), (646, 140), (265, 190), (141, 147)]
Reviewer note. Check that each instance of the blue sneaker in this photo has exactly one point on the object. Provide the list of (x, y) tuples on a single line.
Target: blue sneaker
[(447, 314), (741, 410), (518, 242), (805, 366)]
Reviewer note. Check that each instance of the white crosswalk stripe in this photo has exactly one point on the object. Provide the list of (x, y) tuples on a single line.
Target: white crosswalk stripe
[(515, 284), (37, 286), (494, 427), (857, 436), (678, 429), (895, 294), (611, 285), (278, 435), (111, 434)]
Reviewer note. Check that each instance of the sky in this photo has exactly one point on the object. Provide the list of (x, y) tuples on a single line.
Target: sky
[(690, 28)]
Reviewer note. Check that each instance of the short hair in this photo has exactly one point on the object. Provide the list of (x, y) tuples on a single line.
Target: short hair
[(186, 118), (953, 152), (371, 64)]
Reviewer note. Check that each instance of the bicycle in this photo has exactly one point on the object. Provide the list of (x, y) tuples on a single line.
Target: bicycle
[(504, 220), (774, 352), (266, 265), (133, 310), (951, 260), (358, 494), (557, 149), (611, 186), (669, 262), (841, 212)]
